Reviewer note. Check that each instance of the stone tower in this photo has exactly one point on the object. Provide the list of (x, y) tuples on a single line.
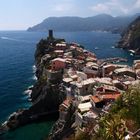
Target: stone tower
[(51, 34)]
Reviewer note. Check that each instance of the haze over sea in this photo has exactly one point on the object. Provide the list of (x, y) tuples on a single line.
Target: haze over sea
[(16, 70)]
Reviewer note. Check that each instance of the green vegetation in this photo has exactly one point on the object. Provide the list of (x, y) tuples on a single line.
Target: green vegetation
[(128, 106), (124, 115), (136, 31), (112, 127)]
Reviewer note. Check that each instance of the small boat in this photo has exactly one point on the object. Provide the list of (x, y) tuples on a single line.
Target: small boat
[(96, 48), (131, 54), (132, 51)]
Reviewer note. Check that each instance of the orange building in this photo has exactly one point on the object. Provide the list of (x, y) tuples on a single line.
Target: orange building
[(58, 64)]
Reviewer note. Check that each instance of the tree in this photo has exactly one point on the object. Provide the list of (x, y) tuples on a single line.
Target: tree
[(113, 127)]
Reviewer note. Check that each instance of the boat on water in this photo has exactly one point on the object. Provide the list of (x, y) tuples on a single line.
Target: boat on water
[(96, 48), (134, 53), (131, 54)]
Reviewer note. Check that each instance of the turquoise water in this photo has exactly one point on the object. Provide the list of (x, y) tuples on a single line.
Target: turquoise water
[(36, 131), (16, 73)]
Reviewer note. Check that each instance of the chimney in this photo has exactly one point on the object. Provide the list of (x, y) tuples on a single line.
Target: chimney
[(50, 34)]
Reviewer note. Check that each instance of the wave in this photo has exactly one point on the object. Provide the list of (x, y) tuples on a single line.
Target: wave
[(34, 68), (7, 38), (28, 92), (13, 39), (29, 87), (34, 78)]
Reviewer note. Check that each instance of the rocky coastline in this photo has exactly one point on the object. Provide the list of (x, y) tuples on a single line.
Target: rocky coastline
[(131, 38), (46, 95), (74, 87)]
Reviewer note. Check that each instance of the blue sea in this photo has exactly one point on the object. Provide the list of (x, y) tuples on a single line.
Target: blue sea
[(17, 50)]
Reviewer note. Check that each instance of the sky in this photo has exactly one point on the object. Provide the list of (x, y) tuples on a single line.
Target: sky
[(21, 14)]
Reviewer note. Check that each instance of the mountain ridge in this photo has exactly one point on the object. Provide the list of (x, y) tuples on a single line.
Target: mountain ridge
[(93, 23)]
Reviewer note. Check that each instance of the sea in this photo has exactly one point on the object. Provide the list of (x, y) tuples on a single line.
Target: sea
[(17, 69)]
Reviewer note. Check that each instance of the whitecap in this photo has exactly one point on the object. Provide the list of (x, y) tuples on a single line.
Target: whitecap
[(34, 68), (34, 78), (25, 98), (8, 38), (29, 87), (28, 92), (13, 39)]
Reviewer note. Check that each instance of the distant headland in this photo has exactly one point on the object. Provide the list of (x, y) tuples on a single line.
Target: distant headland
[(102, 22)]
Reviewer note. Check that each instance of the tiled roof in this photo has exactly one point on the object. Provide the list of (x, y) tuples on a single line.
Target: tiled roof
[(111, 96), (96, 99)]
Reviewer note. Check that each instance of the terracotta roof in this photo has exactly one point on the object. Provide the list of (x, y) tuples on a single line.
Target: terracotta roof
[(111, 96), (59, 59), (96, 99)]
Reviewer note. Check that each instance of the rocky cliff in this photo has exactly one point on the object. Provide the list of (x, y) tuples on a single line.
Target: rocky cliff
[(46, 94), (131, 37), (64, 127)]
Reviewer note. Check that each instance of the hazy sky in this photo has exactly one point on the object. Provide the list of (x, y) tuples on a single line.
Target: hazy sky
[(20, 14)]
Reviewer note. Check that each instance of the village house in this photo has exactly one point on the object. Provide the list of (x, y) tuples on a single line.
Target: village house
[(136, 66), (85, 115), (91, 59), (84, 99), (108, 68), (84, 107), (103, 80), (97, 101), (59, 53), (68, 55), (61, 46), (123, 72), (119, 85), (83, 88), (91, 69), (109, 97), (101, 99), (106, 88), (63, 109), (58, 64)]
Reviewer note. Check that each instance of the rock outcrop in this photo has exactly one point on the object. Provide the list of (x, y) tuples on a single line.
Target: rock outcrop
[(46, 95), (64, 127), (131, 37)]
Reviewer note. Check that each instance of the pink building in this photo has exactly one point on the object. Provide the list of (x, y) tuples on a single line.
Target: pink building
[(57, 64)]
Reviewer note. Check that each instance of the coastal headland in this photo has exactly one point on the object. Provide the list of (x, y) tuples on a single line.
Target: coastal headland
[(73, 86)]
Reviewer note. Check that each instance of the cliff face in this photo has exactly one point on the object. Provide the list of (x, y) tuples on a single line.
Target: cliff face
[(46, 94), (64, 127), (131, 37)]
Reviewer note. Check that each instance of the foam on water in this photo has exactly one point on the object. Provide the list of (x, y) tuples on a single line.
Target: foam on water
[(34, 68), (30, 86), (28, 92), (14, 39), (34, 78)]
